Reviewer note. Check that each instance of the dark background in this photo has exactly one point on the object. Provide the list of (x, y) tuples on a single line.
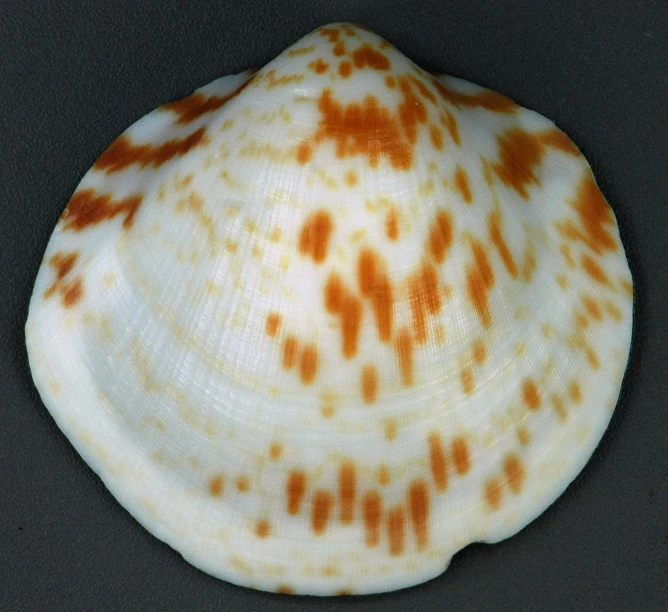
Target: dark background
[(74, 75)]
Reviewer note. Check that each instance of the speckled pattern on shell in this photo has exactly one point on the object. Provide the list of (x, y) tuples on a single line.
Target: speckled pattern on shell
[(320, 326)]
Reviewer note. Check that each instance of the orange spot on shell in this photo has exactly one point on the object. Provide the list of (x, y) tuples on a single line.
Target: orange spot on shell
[(390, 82), (262, 529), (122, 153), (197, 104), (466, 378), (493, 491), (449, 122), (479, 352), (461, 183), (499, 243), (460, 455), (392, 225), (523, 436), (290, 347), (369, 384), (350, 178), (488, 100), (479, 280), (275, 451), (395, 530), (372, 514), (436, 137), (339, 49), (512, 468), (71, 293), (530, 395), (304, 153), (295, 488), (367, 56), (284, 589), (87, 207), (241, 483), (331, 33), (418, 506), (216, 486), (345, 68), (374, 285), (318, 66), (594, 271), (519, 153), (321, 508), (574, 392), (556, 139), (308, 364), (440, 236), (347, 483), (272, 324), (437, 462), (315, 235), (592, 307), (424, 299), (339, 301), (404, 350)]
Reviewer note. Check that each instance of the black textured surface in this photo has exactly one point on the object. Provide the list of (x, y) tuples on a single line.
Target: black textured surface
[(76, 74)]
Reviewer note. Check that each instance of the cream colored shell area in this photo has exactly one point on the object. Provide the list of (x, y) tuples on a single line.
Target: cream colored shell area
[(163, 376)]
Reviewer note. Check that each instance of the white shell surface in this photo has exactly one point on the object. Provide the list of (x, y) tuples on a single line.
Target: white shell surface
[(321, 326)]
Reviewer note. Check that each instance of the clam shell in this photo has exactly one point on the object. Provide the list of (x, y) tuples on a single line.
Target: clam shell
[(320, 326)]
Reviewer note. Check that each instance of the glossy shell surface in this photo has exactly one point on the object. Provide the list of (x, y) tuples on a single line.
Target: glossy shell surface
[(320, 326)]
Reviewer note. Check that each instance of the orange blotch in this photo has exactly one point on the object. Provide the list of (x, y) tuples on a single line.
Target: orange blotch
[(275, 451), (300, 51), (315, 235), (345, 68), (411, 110), (241, 483), (364, 128), (390, 82), (461, 183), (347, 484), (479, 280), (71, 293), (556, 139), (392, 225), (437, 462), (479, 353), (350, 178), (404, 350), (62, 265), (530, 395), (348, 31), (613, 311), (374, 285), (216, 486), (574, 392), (566, 252), (594, 271), (418, 507), (460, 455), (592, 358), (492, 491), (488, 100), (424, 298), (308, 364), (290, 346), (627, 287), (466, 378), (331, 33), (262, 529), (395, 530), (499, 243), (450, 123), (339, 49), (272, 324), (367, 56), (371, 515), (523, 436), (318, 66), (89, 208), (304, 153), (425, 92), (284, 589), (339, 301), (122, 153), (295, 487), (321, 508), (383, 475), (519, 152), (512, 468), (592, 308), (440, 236), (436, 137), (369, 384), (390, 430), (197, 104)]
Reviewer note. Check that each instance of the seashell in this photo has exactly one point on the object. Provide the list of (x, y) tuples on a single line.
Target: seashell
[(320, 326)]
